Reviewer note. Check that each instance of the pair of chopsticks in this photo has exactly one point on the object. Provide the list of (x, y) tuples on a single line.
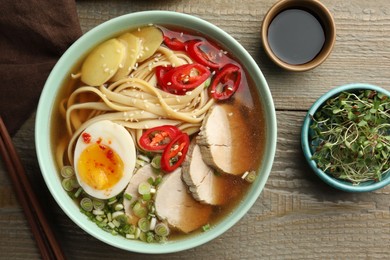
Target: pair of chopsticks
[(44, 236)]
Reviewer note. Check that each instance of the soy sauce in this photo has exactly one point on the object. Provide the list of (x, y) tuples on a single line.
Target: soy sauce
[(296, 36)]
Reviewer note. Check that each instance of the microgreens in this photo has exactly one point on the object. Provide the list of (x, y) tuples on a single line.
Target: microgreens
[(351, 136)]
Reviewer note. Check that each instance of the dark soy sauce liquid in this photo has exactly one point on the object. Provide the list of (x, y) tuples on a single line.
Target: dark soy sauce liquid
[(295, 36)]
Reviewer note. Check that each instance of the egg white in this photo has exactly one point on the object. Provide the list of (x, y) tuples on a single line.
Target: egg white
[(118, 139)]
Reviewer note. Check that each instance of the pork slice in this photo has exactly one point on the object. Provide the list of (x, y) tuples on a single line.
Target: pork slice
[(205, 185), (219, 143), (141, 175), (175, 205)]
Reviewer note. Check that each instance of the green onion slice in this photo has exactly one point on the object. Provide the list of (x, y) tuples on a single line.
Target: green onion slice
[(156, 162), (144, 188), (140, 210), (251, 177), (128, 196), (86, 204), (144, 224), (67, 171), (98, 204), (161, 229), (67, 184)]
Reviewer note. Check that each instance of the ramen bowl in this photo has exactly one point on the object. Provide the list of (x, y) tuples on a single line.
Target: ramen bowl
[(309, 146), (45, 124)]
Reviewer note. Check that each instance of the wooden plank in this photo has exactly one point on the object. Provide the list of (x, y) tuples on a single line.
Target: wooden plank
[(297, 215)]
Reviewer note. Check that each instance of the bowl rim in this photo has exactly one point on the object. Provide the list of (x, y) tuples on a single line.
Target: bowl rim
[(338, 184), (46, 105)]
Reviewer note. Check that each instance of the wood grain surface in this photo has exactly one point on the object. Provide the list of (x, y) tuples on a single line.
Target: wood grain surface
[(297, 216)]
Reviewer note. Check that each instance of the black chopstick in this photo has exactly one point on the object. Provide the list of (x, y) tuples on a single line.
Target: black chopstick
[(44, 236)]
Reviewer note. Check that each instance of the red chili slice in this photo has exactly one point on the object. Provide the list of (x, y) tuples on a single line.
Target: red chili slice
[(175, 153), (226, 82), (179, 80), (204, 53), (188, 76), (157, 138), (174, 44), (161, 71)]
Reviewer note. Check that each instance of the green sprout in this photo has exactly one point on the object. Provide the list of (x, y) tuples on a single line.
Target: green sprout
[(351, 136)]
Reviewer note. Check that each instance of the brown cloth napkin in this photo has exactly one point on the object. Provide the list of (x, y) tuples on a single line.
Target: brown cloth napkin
[(33, 35)]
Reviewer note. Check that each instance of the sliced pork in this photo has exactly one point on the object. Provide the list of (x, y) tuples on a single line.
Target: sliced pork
[(220, 141), (205, 185), (175, 205)]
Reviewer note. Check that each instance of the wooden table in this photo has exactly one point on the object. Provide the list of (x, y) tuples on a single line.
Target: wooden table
[(297, 215)]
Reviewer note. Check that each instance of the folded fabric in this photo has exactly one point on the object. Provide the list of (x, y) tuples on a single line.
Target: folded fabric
[(33, 35)]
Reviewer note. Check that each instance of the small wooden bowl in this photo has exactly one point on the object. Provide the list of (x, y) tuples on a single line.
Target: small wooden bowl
[(323, 15)]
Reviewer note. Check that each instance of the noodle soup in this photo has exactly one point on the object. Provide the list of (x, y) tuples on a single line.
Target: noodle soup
[(159, 134)]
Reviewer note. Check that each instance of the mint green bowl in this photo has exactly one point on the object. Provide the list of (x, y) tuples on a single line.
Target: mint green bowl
[(61, 71), (308, 148)]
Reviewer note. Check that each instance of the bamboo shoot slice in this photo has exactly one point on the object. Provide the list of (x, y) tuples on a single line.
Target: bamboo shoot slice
[(102, 62), (133, 47), (151, 38)]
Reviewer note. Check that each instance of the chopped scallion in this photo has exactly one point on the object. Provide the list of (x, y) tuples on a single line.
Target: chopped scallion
[(111, 225), (67, 184), (112, 200), (143, 224), (206, 227), (251, 177), (161, 229), (98, 204), (130, 236), (153, 223), (137, 232), (128, 196), (140, 210), (147, 197), (116, 223), (67, 171), (143, 158), (156, 162), (117, 214), (86, 204), (78, 192), (98, 212), (118, 206), (144, 188)]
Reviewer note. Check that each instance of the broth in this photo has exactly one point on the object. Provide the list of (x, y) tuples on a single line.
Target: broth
[(245, 108)]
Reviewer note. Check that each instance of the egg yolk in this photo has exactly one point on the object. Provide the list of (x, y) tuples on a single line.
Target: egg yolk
[(100, 167)]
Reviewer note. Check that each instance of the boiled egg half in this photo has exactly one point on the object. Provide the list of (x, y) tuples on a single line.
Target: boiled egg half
[(104, 159)]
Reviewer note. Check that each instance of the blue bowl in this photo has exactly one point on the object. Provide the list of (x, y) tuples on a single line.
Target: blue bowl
[(307, 147), (53, 86)]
